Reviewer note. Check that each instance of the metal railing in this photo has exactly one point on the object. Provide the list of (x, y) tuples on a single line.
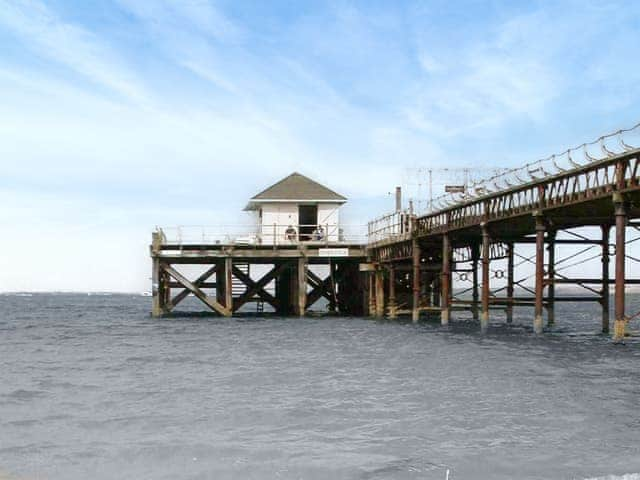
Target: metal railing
[(573, 176), (263, 235)]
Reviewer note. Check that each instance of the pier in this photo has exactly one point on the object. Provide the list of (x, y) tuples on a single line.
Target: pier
[(534, 204), (407, 263), (295, 255)]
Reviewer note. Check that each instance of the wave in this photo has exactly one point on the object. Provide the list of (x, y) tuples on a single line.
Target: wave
[(626, 476)]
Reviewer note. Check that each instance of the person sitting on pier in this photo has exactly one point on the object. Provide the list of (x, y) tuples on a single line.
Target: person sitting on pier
[(318, 233), (290, 233)]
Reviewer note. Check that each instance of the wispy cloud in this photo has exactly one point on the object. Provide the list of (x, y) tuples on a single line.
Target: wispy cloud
[(71, 45)]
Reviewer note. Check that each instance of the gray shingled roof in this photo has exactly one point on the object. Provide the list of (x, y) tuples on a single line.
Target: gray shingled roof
[(298, 187)]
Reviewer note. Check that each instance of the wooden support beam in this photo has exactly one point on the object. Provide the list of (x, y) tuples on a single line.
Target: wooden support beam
[(156, 308), (208, 301), (379, 292), (446, 280), (301, 287), (228, 283), (539, 274), (257, 287), (372, 293), (199, 282), (320, 287), (486, 259)]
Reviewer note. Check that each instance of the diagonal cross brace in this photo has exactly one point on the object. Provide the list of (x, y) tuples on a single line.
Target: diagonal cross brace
[(257, 288), (320, 288), (208, 301), (201, 279)]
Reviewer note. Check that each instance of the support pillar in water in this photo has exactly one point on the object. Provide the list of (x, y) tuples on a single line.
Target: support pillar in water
[(379, 287), (604, 301), (393, 306), (475, 294), (539, 288), (415, 311), (486, 253), (621, 226), (510, 280), (446, 280), (301, 289), (551, 273), (372, 293)]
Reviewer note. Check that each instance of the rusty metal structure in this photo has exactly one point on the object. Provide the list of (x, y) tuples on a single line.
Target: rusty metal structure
[(415, 257)]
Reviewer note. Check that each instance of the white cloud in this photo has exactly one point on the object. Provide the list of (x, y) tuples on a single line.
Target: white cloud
[(70, 45)]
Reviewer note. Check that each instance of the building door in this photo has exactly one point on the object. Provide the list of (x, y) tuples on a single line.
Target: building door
[(308, 220)]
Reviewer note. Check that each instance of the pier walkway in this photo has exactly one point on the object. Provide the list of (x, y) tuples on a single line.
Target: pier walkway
[(417, 254)]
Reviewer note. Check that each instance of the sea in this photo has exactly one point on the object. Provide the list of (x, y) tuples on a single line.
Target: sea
[(94, 388)]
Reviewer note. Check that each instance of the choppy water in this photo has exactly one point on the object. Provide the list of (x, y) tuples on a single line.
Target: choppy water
[(94, 388)]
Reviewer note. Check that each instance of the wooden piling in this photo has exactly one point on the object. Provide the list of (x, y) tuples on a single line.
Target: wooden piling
[(372, 293), (301, 287), (379, 292), (510, 280), (228, 283)]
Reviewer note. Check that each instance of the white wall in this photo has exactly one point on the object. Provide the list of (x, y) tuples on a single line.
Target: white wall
[(281, 214), (285, 214), (329, 218)]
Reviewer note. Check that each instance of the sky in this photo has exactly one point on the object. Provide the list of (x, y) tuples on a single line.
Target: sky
[(117, 116)]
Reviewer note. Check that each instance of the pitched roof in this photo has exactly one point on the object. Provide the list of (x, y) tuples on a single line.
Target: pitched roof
[(298, 187)]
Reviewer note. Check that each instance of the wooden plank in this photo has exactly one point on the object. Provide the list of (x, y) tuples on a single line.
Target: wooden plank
[(211, 303)]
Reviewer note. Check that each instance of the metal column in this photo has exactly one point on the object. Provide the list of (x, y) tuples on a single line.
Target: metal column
[(486, 253), (415, 311), (551, 273), (510, 280), (446, 280), (605, 278), (621, 224), (539, 288), (475, 295)]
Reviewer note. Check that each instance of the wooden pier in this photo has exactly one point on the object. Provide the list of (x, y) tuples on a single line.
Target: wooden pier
[(228, 282), (409, 262)]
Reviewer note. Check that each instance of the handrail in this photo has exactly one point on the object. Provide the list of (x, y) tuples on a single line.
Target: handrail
[(597, 175)]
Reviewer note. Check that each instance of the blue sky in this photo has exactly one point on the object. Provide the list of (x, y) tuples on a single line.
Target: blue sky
[(119, 115)]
